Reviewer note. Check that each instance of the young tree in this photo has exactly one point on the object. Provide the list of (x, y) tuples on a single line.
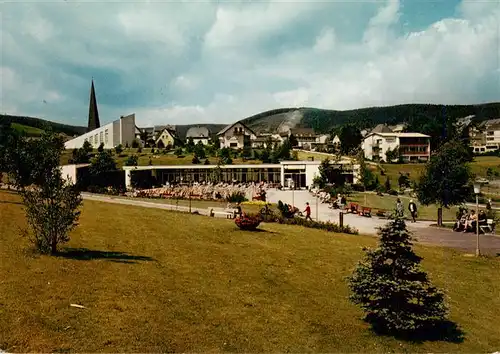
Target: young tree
[(199, 150), (403, 180), (265, 156), (391, 288), (119, 149), (51, 202), (190, 145), (195, 160), (103, 162), (445, 180), (366, 177), (131, 160), (325, 173), (135, 144), (392, 155), (350, 138), (207, 162), (101, 147), (178, 152), (293, 140)]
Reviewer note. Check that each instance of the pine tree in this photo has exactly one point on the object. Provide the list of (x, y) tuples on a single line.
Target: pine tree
[(387, 184), (392, 289)]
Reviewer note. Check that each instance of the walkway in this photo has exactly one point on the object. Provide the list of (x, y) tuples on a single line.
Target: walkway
[(422, 231)]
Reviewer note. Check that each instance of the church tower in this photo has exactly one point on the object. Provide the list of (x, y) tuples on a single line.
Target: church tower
[(93, 113)]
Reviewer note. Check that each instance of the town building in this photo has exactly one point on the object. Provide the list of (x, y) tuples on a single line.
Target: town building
[(166, 138), (484, 137), (412, 147), (236, 136), (199, 134), (296, 174), (119, 132)]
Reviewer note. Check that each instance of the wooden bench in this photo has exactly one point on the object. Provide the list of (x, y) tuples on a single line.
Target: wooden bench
[(366, 211), (228, 213), (352, 207)]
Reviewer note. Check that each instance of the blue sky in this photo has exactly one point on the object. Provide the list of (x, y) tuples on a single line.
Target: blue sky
[(198, 62)]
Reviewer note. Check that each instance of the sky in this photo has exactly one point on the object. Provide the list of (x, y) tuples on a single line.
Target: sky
[(188, 62)]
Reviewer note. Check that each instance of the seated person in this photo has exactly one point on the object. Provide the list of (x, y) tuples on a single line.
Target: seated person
[(471, 222), (481, 218), (461, 222)]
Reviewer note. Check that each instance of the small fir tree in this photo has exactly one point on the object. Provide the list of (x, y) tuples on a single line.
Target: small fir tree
[(195, 160), (392, 289), (101, 147)]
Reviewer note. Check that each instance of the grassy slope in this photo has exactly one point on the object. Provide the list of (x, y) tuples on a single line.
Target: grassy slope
[(29, 131), (209, 287), (156, 159)]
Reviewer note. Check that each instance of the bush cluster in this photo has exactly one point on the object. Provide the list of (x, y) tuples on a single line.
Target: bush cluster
[(322, 225)]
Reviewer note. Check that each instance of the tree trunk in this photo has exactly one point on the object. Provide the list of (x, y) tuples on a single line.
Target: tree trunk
[(440, 216), (54, 246)]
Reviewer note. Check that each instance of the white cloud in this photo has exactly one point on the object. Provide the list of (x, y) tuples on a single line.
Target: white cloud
[(219, 62), (325, 42)]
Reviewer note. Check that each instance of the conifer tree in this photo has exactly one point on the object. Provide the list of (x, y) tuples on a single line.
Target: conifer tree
[(392, 289)]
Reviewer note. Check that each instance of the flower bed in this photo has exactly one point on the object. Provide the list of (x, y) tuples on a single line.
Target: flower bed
[(248, 223)]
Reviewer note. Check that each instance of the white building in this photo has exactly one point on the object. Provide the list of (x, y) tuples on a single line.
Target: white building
[(199, 134), (121, 131), (413, 147), (302, 173), (236, 136)]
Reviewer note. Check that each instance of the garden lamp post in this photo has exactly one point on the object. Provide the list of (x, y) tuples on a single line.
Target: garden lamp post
[(477, 190), (190, 191), (292, 185)]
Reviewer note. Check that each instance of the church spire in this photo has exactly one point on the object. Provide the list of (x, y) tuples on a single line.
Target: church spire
[(93, 113)]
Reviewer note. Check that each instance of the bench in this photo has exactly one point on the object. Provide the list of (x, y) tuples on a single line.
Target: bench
[(228, 213), (489, 227), (352, 207), (365, 211)]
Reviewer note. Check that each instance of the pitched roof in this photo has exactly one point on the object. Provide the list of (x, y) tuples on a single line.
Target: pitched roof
[(232, 125), (381, 128), (302, 131), (198, 132), (400, 135)]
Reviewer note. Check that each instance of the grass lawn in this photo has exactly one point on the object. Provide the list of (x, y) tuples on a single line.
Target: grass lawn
[(153, 280), (156, 159), (306, 156), (479, 167), (388, 202)]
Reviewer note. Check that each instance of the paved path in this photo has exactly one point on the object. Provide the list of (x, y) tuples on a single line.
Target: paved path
[(363, 224), (422, 231)]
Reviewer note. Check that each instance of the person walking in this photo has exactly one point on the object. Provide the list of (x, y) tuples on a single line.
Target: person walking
[(308, 211), (399, 208), (412, 207)]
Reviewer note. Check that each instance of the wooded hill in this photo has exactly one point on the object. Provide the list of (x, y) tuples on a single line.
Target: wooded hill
[(321, 120)]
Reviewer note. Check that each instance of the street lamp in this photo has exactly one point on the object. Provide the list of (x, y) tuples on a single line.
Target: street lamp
[(292, 185), (477, 190)]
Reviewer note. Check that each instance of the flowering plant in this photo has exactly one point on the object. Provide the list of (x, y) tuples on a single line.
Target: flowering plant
[(247, 222)]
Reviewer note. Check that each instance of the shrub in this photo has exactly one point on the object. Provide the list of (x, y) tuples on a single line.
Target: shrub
[(119, 149), (392, 192), (101, 147), (248, 222), (135, 144), (393, 291), (139, 149), (322, 225), (195, 160), (131, 161), (236, 197)]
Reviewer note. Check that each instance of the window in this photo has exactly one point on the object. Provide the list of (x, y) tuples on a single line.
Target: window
[(106, 136), (95, 139), (90, 140), (101, 137), (233, 144)]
